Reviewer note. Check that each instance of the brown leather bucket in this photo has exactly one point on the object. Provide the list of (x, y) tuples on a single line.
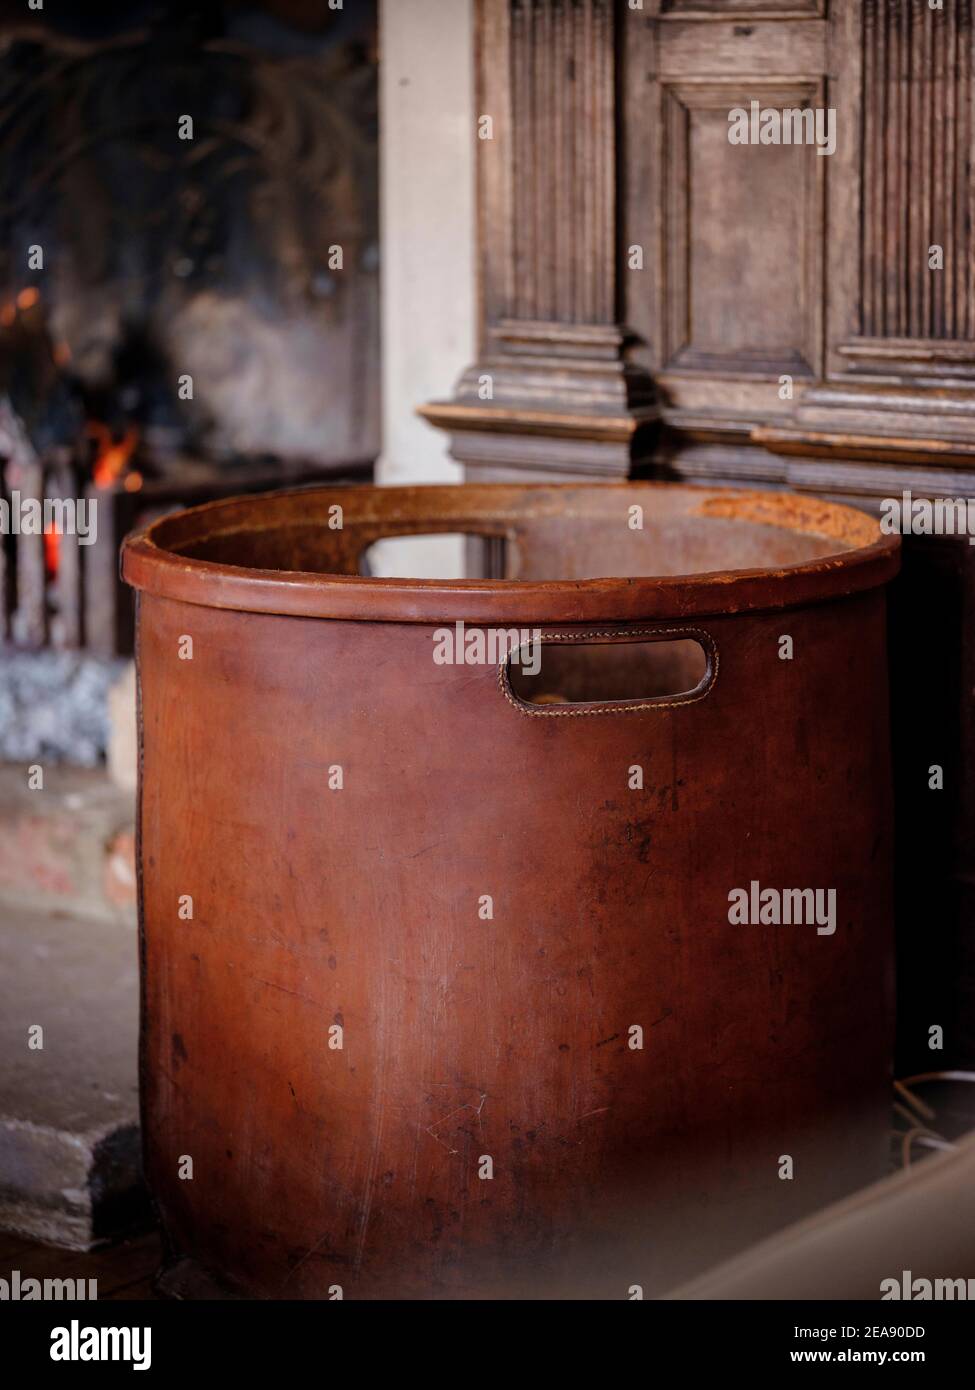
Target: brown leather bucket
[(452, 992)]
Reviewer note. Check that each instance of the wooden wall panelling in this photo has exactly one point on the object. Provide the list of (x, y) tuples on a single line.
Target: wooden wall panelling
[(553, 352), (731, 295), (901, 335), (889, 407), (916, 173), (756, 261), (742, 282), (743, 8), (894, 411)]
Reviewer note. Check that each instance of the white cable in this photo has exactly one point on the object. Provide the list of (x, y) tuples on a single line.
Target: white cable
[(937, 1076), (927, 1142), (921, 1136)]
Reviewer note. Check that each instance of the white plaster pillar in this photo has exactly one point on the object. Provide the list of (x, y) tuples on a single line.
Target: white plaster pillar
[(426, 134)]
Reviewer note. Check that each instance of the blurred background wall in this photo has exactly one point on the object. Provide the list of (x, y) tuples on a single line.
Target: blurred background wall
[(427, 133)]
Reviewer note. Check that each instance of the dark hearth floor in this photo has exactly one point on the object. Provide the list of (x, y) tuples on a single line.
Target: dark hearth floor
[(123, 1271)]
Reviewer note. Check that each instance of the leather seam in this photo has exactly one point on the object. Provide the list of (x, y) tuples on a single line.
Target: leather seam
[(620, 706)]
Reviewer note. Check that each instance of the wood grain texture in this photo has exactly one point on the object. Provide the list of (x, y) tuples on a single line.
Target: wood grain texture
[(880, 348), (742, 282), (551, 337), (917, 170)]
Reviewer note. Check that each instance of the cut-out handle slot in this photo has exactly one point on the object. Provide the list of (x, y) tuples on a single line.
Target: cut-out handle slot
[(602, 673), (435, 555)]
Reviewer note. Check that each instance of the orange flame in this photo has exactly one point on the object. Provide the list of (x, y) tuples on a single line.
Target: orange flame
[(112, 459), (52, 551)]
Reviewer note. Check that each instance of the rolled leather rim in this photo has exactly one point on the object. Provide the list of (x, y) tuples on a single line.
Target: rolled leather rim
[(154, 560)]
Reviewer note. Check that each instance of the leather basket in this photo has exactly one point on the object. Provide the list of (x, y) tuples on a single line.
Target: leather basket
[(445, 989)]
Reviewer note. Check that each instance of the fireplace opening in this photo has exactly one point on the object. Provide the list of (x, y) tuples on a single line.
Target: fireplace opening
[(189, 280)]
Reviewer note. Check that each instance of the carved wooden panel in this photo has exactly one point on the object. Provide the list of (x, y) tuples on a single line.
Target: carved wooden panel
[(907, 71), (742, 244), (562, 176), (731, 293), (546, 162), (726, 8), (917, 170), (563, 395)]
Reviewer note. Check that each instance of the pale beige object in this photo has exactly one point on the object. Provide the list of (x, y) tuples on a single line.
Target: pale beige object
[(921, 1221), (122, 746)]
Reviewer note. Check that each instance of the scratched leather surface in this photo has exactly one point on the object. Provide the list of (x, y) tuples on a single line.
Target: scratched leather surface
[(507, 1038)]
